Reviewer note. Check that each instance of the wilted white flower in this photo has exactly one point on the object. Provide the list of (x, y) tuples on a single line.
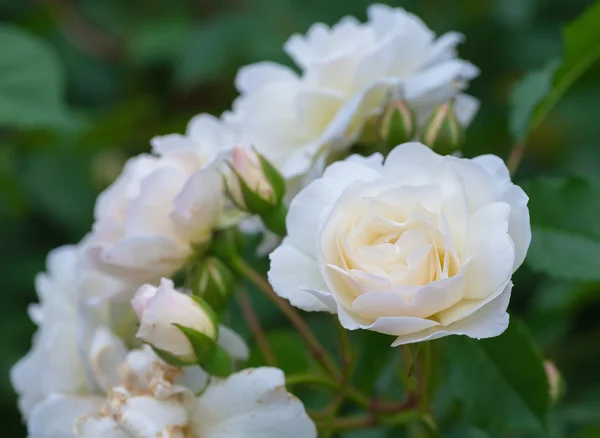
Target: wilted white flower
[(348, 71), (161, 204), (148, 400), (159, 308), (71, 305), (420, 247)]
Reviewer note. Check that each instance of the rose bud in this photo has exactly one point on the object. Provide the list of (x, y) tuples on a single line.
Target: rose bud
[(254, 185), (214, 282), (178, 326), (397, 124), (443, 132), (555, 381)]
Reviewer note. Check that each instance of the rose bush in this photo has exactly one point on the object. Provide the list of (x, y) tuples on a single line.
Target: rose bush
[(419, 247)]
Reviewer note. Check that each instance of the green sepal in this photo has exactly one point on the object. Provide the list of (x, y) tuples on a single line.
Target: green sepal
[(398, 124), (254, 202), (202, 345), (225, 244), (275, 220), (219, 364), (214, 283), (170, 358), (274, 177), (443, 132)]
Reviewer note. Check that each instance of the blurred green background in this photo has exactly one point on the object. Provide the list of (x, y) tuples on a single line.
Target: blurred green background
[(115, 73)]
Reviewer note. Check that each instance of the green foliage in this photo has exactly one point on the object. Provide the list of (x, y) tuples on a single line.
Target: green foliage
[(500, 382), (289, 351), (525, 97), (566, 232), (31, 81), (539, 91)]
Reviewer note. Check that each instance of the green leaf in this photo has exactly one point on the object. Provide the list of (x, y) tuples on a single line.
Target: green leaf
[(525, 97), (500, 381), (566, 232), (31, 81), (581, 50)]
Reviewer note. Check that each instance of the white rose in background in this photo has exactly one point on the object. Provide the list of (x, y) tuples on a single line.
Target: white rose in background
[(420, 247), (147, 221), (347, 73), (72, 303), (159, 308)]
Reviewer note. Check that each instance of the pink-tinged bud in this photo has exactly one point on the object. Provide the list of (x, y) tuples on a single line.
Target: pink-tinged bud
[(555, 382), (253, 185), (162, 309), (443, 132)]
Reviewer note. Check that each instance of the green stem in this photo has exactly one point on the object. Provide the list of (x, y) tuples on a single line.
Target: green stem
[(256, 328), (318, 351), (424, 364), (310, 379), (275, 220)]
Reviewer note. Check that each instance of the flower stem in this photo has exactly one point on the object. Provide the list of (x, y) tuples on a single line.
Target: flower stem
[(515, 157), (256, 328), (317, 350), (424, 364)]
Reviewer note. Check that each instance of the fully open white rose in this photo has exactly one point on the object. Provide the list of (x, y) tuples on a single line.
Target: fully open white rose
[(420, 247), (161, 204), (348, 71)]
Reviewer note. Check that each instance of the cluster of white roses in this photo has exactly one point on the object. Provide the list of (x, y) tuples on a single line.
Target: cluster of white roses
[(418, 247)]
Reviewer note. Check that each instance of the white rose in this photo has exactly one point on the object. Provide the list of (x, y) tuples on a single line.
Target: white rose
[(147, 221), (159, 308), (66, 320), (348, 71), (150, 401), (420, 247)]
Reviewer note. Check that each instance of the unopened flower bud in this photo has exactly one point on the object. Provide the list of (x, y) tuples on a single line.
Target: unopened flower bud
[(443, 132), (179, 326), (397, 124), (214, 282), (254, 185), (555, 382)]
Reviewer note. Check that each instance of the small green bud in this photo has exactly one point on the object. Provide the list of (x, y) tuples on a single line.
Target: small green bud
[(214, 282), (443, 132), (397, 124)]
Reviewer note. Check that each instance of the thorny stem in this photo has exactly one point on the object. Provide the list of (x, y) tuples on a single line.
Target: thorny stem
[(317, 350), (256, 328)]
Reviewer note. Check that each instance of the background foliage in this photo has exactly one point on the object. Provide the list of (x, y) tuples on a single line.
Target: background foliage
[(85, 84)]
